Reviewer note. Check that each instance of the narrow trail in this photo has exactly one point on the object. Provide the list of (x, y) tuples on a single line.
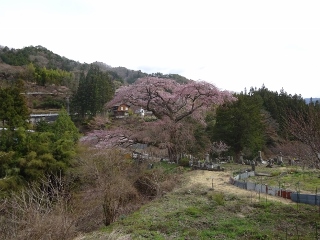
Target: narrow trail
[(220, 182)]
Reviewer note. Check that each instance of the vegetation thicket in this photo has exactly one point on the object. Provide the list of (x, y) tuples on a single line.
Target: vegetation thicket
[(28, 156), (100, 188)]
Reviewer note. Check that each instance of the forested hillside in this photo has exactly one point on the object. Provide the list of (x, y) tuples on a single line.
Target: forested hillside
[(56, 77), (41, 58)]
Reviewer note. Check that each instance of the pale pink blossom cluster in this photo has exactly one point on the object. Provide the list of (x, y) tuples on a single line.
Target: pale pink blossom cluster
[(219, 147), (167, 98)]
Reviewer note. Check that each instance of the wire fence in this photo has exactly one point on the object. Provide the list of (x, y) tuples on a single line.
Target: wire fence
[(240, 181)]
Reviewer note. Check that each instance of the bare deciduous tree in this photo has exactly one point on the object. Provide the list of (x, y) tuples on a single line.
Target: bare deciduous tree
[(305, 127)]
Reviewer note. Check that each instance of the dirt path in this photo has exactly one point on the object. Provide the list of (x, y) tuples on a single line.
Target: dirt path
[(220, 182)]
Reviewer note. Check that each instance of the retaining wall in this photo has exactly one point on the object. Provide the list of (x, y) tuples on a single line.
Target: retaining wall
[(306, 198), (241, 182)]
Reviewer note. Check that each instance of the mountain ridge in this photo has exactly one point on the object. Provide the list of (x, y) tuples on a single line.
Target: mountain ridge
[(308, 100), (42, 57)]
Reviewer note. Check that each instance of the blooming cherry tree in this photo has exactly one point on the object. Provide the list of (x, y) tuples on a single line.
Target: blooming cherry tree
[(166, 98), (172, 104), (219, 147)]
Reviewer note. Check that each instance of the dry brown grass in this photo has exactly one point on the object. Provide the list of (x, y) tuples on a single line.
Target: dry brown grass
[(220, 181)]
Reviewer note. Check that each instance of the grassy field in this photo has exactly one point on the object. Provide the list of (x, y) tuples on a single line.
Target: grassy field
[(199, 212)]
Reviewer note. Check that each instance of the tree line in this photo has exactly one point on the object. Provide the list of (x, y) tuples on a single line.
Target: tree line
[(39, 56), (43, 76), (262, 120)]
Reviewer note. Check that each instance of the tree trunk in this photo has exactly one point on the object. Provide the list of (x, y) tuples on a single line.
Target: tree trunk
[(173, 156)]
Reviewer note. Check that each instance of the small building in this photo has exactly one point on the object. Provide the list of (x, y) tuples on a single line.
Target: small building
[(140, 112), (120, 111), (48, 117)]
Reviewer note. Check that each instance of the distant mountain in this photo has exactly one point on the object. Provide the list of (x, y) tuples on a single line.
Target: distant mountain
[(308, 100), (39, 56), (17, 59)]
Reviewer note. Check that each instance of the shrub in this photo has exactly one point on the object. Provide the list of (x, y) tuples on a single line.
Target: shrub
[(184, 162), (218, 198)]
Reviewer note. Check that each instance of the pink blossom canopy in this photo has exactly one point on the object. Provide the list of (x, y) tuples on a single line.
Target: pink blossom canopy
[(166, 98)]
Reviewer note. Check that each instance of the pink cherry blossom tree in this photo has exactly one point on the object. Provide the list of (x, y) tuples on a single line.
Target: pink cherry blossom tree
[(166, 98), (219, 147), (173, 105)]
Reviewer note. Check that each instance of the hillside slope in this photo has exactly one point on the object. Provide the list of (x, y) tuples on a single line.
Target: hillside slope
[(194, 210)]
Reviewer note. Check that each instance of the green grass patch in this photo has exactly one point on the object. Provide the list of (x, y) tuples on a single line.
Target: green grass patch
[(193, 212), (198, 216), (170, 168), (295, 179)]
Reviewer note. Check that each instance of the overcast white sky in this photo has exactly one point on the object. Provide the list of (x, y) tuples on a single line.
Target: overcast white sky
[(234, 44)]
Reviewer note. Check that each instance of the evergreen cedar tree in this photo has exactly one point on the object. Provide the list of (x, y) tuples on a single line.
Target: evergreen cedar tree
[(94, 91), (239, 125), (13, 107), (27, 156), (174, 105)]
